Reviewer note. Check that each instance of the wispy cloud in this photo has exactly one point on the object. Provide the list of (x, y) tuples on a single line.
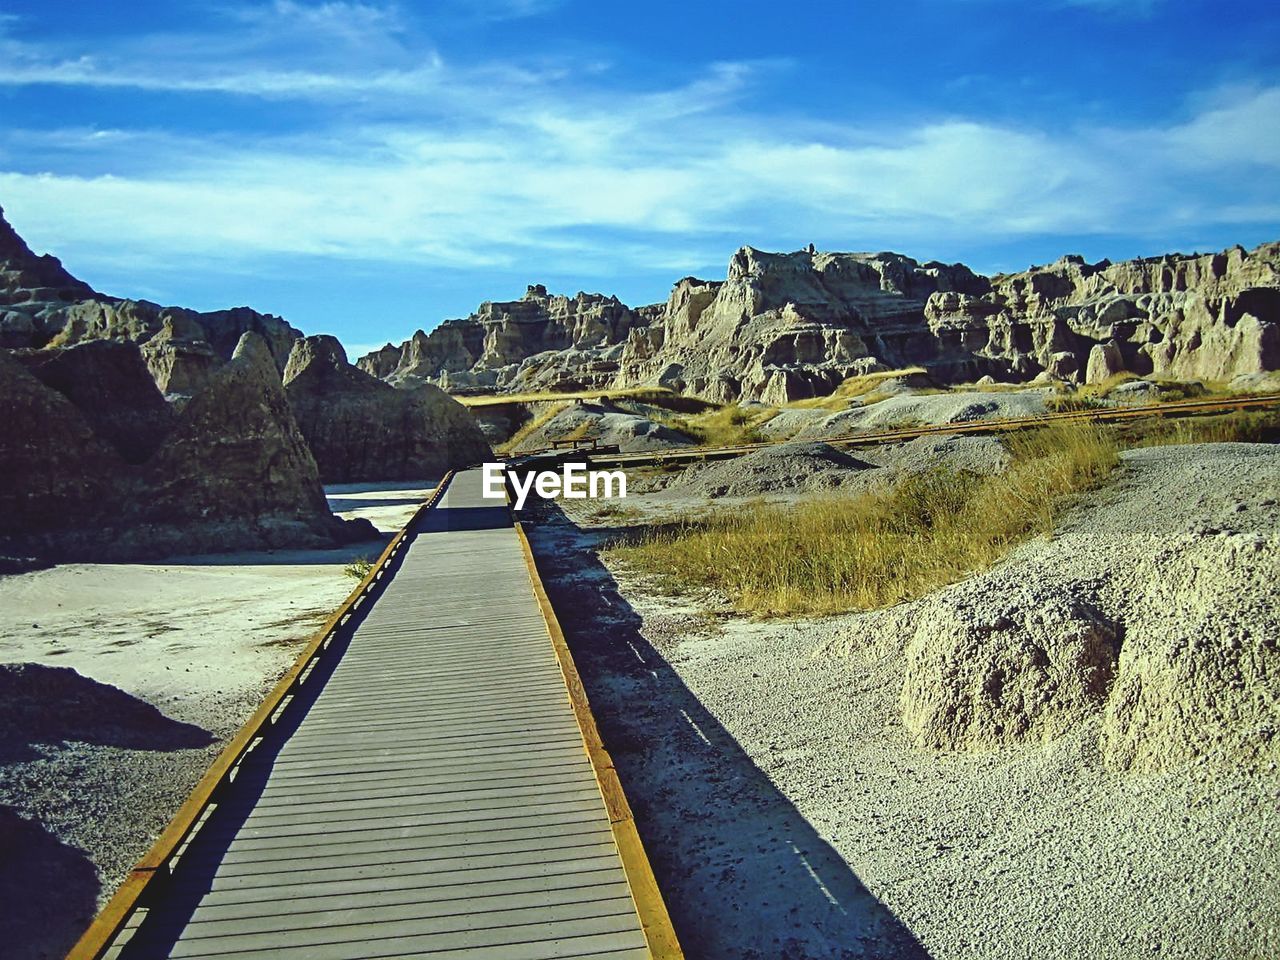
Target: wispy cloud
[(502, 164)]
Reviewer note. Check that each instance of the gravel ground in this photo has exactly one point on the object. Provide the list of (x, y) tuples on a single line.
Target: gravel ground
[(789, 813)]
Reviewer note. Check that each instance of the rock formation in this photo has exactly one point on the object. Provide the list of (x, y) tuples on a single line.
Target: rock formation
[(359, 428), (1202, 316), (57, 473), (515, 345), (786, 326), (231, 471), (108, 382), (42, 305)]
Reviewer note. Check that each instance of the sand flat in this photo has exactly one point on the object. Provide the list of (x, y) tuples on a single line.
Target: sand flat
[(193, 634)]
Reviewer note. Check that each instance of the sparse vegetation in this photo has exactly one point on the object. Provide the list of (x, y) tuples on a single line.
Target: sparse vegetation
[(864, 388), (358, 568), (723, 426), (1092, 396), (836, 553), (1240, 426), (529, 428)]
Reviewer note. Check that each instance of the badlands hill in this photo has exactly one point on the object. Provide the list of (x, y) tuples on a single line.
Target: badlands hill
[(787, 326), (136, 430)]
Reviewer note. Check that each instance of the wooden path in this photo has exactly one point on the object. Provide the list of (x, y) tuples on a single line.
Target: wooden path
[(439, 796)]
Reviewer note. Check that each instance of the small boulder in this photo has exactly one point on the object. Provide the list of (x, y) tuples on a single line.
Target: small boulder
[(1105, 360), (1063, 365), (1200, 671)]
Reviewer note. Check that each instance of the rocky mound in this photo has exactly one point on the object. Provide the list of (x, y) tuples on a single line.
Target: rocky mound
[(1023, 667), (1200, 668), (361, 429), (984, 455), (233, 471), (607, 424), (906, 410), (1151, 616), (787, 467)]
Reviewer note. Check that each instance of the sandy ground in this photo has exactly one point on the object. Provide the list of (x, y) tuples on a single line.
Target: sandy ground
[(201, 638), (788, 814)]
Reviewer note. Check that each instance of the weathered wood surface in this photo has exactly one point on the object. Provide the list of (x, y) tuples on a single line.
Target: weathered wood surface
[(435, 799)]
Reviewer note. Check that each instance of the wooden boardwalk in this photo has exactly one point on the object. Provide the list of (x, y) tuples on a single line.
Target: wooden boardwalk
[(435, 799)]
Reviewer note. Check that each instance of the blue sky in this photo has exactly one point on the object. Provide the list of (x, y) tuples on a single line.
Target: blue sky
[(369, 168)]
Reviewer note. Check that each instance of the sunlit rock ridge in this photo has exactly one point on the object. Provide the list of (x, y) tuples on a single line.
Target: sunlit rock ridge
[(784, 326)]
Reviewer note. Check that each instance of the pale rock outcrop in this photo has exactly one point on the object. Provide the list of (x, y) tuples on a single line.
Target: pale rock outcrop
[(359, 428), (498, 347), (1105, 360), (1022, 669), (786, 326)]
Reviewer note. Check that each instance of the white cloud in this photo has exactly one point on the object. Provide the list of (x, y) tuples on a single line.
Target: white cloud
[(502, 164)]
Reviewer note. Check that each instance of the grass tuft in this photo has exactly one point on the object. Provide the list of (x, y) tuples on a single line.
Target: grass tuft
[(528, 429), (358, 568), (834, 553)]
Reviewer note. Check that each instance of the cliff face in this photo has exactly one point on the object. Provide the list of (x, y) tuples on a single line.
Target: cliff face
[(786, 326), (792, 325), (359, 428), (1210, 316)]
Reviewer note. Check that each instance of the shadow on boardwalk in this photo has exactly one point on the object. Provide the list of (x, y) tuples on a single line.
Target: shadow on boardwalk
[(744, 874)]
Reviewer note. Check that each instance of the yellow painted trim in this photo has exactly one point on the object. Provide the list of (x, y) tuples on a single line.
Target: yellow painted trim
[(654, 919)]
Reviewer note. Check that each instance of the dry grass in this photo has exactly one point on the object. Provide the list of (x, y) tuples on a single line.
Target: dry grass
[(529, 428), (1240, 426), (863, 388), (723, 426), (1093, 396), (835, 554)]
